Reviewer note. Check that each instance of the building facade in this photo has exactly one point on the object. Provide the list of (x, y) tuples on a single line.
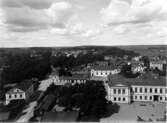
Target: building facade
[(158, 64), (123, 91), (72, 80), (118, 94), (102, 72)]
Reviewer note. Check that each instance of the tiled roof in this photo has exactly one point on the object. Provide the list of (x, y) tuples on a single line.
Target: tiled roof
[(110, 67), (143, 80)]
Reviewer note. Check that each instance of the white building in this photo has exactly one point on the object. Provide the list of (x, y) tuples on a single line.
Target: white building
[(137, 67), (72, 80), (158, 64), (102, 72), (22, 91), (122, 90)]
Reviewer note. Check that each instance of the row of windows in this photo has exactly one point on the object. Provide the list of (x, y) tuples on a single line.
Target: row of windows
[(119, 99), (146, 98), (103, 73), (147, 90), (119, 91), (72, 80), (16, 96)]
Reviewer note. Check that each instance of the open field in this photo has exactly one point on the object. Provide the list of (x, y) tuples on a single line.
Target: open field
[(146, 111)]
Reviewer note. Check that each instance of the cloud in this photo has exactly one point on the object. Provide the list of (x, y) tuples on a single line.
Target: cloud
[(139, 11), (36, 4), (60, 13), (25, 19)]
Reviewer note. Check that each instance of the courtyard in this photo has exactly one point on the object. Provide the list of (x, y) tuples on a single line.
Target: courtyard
[(143, 111)]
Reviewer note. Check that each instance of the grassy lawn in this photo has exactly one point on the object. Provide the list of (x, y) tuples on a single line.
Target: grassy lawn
[(146, 111)]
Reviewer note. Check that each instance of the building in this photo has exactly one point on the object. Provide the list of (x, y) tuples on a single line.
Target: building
[(161, 65), (21, 91), (137, 67), (102, 63), (137, 58), (109, 57), (102, 72), (72, 79), (145, 88)]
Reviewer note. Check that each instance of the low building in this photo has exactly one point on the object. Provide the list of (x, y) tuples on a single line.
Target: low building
[(145, 88), (21, 91), (158, 64), (72, 79), (101, 63), (102, 72)]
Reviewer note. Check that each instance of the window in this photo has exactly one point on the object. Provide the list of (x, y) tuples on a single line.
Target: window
[(160, 90), (96, 73), (150, 97), (160, 98), (124, 99), (155, 90), (114, 91), (135, 89), (140, 90), (150, 90), (145, 97), (135, 97), (101, 73), (115, 98), (20, 95), (141, 97), (15, 96), (119, 99), (123, 91), (10, 96), (145, 90), (119, 91)]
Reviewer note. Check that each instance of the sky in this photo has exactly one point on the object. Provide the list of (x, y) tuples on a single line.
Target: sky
[(51, 23)]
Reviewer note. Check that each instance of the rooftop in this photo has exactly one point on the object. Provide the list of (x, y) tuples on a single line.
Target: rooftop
[(109, 67), (143, 80), (22, 86)]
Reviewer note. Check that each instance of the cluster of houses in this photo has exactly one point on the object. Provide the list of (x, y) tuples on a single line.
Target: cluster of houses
[(119, 89)]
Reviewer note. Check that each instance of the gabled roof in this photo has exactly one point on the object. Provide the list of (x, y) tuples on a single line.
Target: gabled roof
[(23, 86), (14, 91)]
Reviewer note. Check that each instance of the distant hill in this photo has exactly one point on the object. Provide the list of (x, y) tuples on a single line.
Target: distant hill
[(147, 50)]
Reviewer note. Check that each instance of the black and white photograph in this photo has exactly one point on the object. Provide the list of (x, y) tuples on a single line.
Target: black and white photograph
[(83, 61)]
